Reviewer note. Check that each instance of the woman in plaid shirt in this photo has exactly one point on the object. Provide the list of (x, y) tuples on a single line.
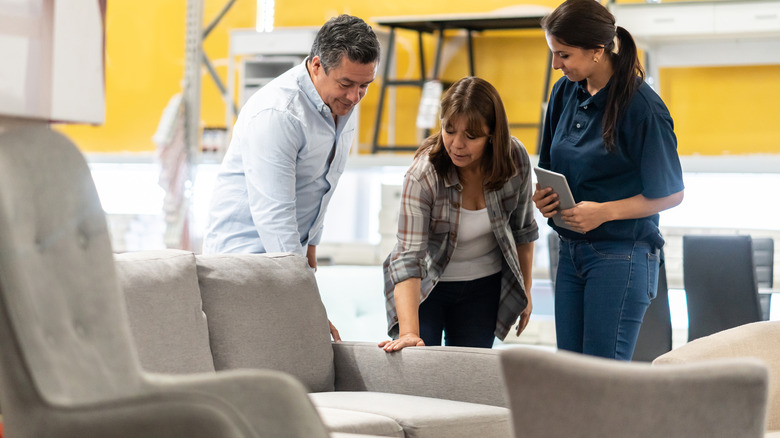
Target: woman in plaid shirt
[(462, 263)]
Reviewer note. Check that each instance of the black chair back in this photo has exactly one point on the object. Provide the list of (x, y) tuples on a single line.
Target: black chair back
[(720, 283)]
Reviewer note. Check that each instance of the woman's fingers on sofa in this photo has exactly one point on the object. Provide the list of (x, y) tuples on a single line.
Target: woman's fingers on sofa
[(334, 332), (402, 342)]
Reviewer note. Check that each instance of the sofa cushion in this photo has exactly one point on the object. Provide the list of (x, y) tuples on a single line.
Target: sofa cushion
[(345, 421), (264, 311), (423, 417), (165, 310)]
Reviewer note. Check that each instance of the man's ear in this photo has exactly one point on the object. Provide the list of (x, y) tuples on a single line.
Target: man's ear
[(316, 65)]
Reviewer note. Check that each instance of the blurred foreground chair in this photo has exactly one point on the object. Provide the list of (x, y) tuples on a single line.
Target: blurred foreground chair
[(720, 283), (68, 367), (553, 395), (759, 340)]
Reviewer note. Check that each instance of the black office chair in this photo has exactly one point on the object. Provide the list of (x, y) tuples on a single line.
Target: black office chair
[(764, 260), (655, 335), (720, 283)]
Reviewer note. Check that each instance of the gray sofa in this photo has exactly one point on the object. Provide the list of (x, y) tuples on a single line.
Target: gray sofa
[(194, 313)]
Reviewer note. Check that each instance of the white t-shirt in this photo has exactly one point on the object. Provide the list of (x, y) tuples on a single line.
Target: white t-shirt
[(476, 252)]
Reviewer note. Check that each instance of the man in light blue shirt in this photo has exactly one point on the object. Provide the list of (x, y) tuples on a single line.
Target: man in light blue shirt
[(289, 148)]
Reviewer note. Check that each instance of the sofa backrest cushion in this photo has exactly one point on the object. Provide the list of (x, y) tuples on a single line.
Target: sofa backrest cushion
[(265, 311), (165, 310)]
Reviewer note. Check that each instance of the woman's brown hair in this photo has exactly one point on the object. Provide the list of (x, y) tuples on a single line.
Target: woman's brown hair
[(589, 25), (478, 102)]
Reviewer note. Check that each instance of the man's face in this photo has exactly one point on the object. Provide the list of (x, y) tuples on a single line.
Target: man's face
[(344, 85)]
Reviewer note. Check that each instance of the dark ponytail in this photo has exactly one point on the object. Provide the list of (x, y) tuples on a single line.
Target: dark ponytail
[(587, 24), (627, 77)]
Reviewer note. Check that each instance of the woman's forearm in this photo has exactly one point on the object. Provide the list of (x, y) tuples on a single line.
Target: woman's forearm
[(639, 206), (407, 305), (525, 255)]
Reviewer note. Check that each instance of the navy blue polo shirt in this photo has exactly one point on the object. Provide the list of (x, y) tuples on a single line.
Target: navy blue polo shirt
[(645, 159)]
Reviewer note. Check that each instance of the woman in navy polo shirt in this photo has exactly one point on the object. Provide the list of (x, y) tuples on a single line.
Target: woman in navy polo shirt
[(613, 138)]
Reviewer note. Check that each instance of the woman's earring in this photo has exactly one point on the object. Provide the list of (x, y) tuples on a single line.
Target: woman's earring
[(595, 59)]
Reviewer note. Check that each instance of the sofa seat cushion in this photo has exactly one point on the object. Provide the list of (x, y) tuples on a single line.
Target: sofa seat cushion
[(264, 311), (346, 421), (165, 310), (423, 417)]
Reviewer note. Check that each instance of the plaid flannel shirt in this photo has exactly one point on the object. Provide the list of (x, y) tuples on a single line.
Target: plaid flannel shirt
[(428, 232)]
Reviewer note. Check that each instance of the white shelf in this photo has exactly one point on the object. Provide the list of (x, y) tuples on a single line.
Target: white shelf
[(282, 41)]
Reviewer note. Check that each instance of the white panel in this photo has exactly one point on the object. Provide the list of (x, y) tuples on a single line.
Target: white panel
[(748, 18), (52, 60), (717, 53), (282, 41), (671, 20), (78, 89)]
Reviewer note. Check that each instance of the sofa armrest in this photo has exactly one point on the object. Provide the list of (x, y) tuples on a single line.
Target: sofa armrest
[(452, 373)]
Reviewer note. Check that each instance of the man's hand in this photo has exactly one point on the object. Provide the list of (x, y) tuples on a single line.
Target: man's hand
[(333, 332), (311, 255)]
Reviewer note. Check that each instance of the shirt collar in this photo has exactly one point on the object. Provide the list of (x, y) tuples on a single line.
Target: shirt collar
[(307, 86), (452, 179), (598, 100)]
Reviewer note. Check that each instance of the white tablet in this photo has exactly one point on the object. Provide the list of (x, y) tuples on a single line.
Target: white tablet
[(547, 178)]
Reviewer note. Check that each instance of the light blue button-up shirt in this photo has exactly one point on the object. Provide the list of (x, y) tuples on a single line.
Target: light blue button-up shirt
[(277, 177)]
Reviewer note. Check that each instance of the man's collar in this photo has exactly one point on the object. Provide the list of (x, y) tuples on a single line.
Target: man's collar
[(308, 88)]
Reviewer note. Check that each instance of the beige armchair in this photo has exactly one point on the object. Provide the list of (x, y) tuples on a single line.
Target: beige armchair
[(759, 340), (553, 395)]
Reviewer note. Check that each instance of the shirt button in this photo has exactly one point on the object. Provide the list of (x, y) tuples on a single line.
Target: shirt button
[(453, 235), (578, 126), (585, 107), (455, 205)]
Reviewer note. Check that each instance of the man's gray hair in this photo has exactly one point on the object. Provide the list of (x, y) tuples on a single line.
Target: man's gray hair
[(342, 35)]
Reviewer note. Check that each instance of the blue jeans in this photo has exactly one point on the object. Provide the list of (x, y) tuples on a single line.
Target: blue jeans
[(465, 310), (602, 290)]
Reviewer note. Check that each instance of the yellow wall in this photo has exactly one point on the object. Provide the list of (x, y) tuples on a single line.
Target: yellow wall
[(716, 110), (145, 42), (724, 110)]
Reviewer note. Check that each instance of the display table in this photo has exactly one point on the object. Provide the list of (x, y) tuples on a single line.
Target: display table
[(514, 17)]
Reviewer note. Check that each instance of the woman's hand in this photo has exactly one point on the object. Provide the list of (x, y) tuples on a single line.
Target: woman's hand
[(525, 316), (585, 216), (546, 201), (407, 340)]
